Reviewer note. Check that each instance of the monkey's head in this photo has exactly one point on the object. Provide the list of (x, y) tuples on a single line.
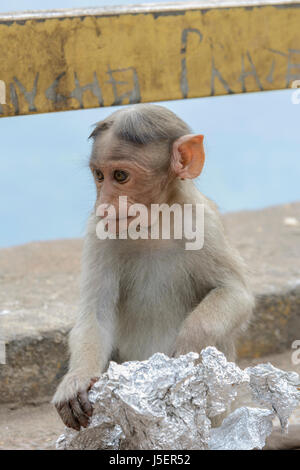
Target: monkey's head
[(140, 152)]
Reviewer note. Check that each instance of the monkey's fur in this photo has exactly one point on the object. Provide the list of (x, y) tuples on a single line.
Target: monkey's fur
[(139, 297)]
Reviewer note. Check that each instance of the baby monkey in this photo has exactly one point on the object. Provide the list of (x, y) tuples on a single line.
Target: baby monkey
[(141, 296)]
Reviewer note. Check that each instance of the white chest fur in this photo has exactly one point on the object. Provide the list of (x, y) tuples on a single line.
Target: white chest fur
[(158, 291)]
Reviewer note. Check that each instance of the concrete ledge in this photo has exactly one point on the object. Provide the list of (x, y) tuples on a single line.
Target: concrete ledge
[(38, 300), (269, 241), (39, 297)]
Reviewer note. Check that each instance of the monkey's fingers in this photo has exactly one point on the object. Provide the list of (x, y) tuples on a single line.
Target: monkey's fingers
[(85, 403), (67, 416), (79, 412), (93, 381)]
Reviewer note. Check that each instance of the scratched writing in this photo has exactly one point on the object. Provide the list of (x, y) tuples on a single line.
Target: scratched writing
[(248, 73), (293, 64), (126, 88), (184, 38), (79, 90), (247, 67), (216, 74), (133, 95), (118, 79)]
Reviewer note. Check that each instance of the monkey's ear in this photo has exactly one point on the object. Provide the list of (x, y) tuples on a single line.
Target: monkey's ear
[(188, 156), (99, 126)]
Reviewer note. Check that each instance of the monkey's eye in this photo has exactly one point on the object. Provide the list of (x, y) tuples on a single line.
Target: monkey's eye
[(99, 175), (121, 176)]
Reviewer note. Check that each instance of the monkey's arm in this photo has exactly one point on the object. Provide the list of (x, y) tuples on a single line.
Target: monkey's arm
[(89, 354), (91, 339), (216, 320), (228, 306)]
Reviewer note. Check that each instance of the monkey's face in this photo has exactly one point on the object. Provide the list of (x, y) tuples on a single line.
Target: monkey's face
[(140, 184), (123, 169), (144, 174)]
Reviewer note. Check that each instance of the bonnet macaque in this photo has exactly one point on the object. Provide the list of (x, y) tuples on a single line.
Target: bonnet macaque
[(141, 296)]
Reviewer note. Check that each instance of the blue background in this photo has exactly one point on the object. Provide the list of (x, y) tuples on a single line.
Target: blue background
[(252, 144)]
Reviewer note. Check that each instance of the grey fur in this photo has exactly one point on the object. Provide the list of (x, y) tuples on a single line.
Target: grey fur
[(143, 124)]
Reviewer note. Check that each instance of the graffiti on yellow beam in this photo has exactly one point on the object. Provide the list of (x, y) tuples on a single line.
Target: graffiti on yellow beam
[(63, 63)]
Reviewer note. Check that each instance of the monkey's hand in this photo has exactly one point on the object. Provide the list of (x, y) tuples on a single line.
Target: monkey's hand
[(191, 337), (71, 400)]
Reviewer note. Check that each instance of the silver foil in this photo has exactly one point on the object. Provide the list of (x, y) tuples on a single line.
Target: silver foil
[(275, 389), (172, 403), (244, 429)]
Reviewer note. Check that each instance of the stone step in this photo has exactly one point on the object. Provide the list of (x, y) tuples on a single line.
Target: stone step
[(39, 297)]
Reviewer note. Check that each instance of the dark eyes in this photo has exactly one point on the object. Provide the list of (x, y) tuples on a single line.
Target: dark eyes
[(99, 175), (121, 176)]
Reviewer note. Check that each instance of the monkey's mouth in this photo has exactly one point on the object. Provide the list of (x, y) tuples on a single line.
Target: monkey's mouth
[(118, 219)]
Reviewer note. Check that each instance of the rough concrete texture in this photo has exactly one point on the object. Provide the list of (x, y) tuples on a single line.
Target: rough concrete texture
[(269, 241), (39, 295)]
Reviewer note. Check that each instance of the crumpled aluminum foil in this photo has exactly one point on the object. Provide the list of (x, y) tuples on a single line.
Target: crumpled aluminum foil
[(244, 429), (222, 379), (168, 403), (269, 386)]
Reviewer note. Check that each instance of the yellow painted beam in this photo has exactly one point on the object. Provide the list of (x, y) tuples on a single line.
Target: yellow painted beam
[(55, 61)]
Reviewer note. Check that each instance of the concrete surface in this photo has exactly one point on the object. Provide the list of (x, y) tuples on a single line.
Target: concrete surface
[(39, 297), (269, 241)]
